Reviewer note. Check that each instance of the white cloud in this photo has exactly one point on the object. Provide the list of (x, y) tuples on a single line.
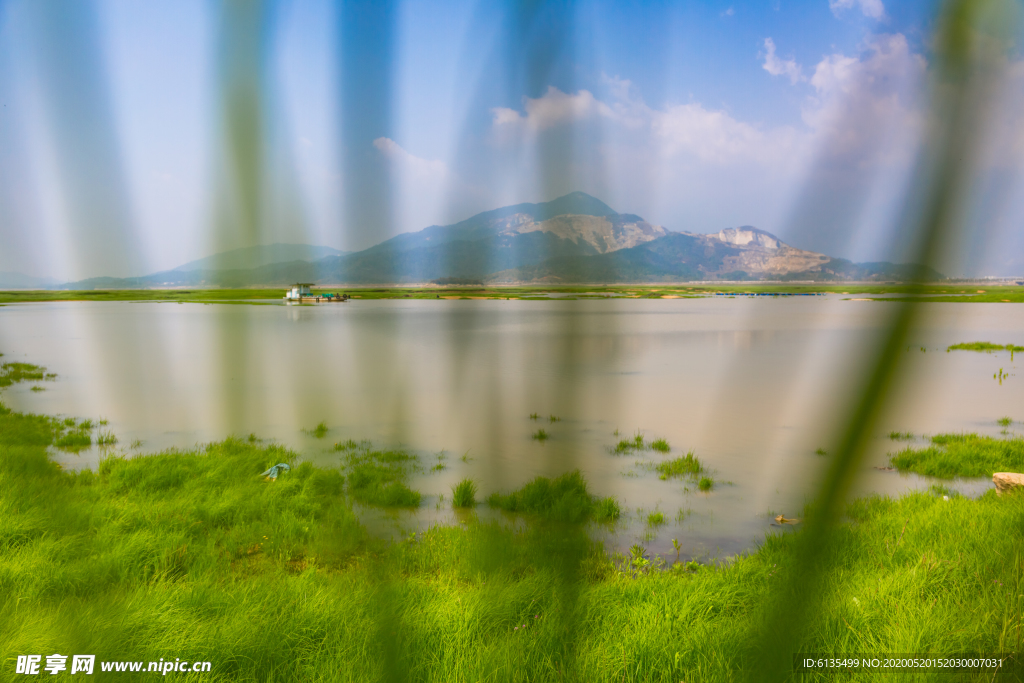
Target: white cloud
[(409, 163), (780, 67), (552, 108), (873, 9), (728, 13)]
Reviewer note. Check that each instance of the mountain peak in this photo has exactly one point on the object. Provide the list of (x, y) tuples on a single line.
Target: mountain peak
[(579, 203)]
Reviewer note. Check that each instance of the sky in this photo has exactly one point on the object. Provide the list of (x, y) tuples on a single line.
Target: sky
[(135, 137)]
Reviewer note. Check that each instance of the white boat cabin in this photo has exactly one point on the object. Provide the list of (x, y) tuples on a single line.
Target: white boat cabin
[(299, 291)]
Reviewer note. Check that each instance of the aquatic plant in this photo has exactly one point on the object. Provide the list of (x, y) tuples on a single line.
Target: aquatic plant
[(347, 445), (464, 494), (320, 431), (660, 445), (820, 451), (378, 477), (38, 388), (540, 435), (686, 465), (706, 483), (655, 519), (976, 346), (73, 440), (12, 373), (677, 547), (554, 418), (564, 499), (1004, 421), (533, 416), (607, 510), (901, 436), (106, 438)]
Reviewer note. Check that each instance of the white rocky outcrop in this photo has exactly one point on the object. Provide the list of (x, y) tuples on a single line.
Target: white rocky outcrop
[(748, 236)]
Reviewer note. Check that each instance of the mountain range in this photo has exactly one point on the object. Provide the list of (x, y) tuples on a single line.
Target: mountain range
[(573, 239)]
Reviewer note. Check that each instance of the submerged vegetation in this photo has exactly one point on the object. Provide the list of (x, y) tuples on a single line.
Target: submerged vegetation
[(379, 477), (464, 494), (962, 455), (563, 499), (687, 465), (539, 435)]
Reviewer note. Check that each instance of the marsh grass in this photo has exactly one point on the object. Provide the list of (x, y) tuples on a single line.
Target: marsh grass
[(464, 494), (189, 552), (348, 445), (540, 435), (660, 445), (706, 483), (379, 477), (977, 346), (655, 519), (962, 455), (901, 436), (106, 438), (320, 431), (12, 373), (631, 445), (1004, 421), (563, 499), (38, 388), (554, 418), (820, 451), (684, 466)]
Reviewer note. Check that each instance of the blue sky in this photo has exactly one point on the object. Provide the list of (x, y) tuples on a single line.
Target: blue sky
[(802, 118)]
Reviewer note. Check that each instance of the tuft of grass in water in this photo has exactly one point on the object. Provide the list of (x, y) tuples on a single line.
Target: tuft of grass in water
[(554, 418), (38, 388), (630, 445), (464, 494), (607, 510), (136, 443), (901, 436), (348, 445), (563, 499), (687, 465), (534, 416), (660, 445), (378, 477), (976, 346), (655, 519), (540, 435), (320, 431), (706, 483), (962, 455), (1004, 422), (11, 373), (106, 438), (74, 440), (820, 451)]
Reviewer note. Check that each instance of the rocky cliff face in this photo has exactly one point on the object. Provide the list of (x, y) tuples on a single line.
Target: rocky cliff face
[(603, 233)]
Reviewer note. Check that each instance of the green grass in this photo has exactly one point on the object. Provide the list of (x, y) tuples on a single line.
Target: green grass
[(687, 465), (706, 483), (660, 445), (554, 418), (464, 494), (655, 519), (320, 431), (378, 477), (962, 455), (563, 499), (901, 436), (106, 438), (540, 435), (1004, 421), (11, 373), (820, 451), (631, 445), (190, 554), (976, 346)]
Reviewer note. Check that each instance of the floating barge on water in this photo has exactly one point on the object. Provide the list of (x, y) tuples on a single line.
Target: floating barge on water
[(302, 292)]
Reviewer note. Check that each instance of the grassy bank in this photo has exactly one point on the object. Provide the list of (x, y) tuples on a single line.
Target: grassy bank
[(194, 555), (962, 455), (955, 293)]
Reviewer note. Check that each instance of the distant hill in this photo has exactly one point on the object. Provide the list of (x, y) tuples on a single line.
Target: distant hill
[(573, 239), (264, 254)]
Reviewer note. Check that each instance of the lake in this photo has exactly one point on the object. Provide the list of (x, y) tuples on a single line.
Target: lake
[(752, 386)]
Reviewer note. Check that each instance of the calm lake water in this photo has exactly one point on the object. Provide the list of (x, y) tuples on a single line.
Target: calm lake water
[(752, 386)]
